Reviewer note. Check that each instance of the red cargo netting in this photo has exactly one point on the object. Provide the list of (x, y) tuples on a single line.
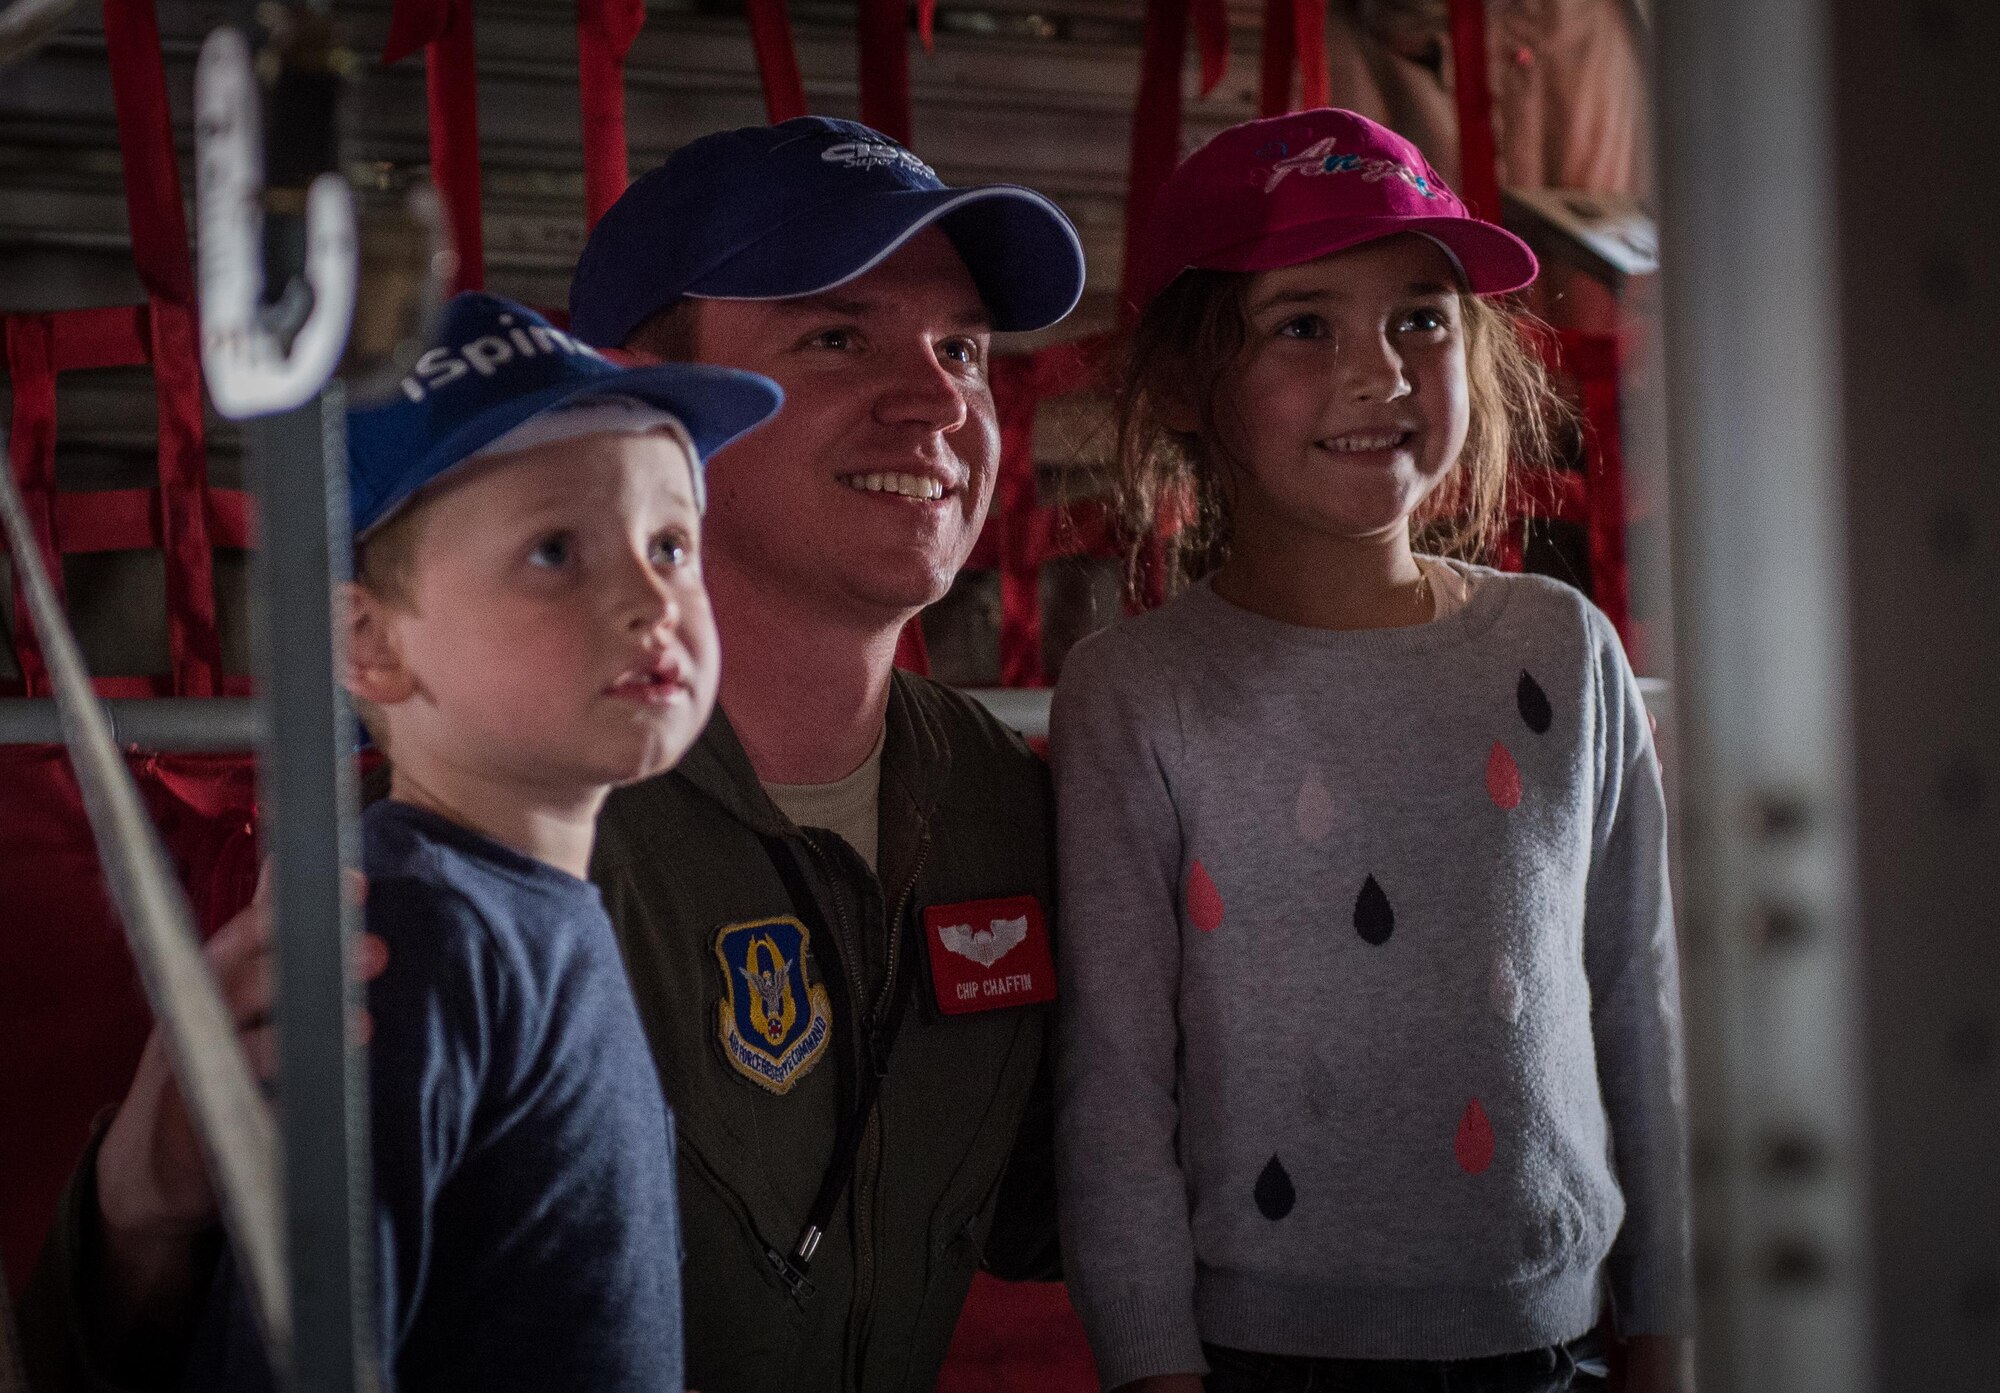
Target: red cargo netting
[(181, 516)]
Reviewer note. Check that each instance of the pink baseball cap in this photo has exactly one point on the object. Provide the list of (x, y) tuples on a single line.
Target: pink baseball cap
[(1288, 189)]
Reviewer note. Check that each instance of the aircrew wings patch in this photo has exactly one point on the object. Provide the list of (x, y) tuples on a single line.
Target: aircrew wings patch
[(986, 954), (773, 1023)]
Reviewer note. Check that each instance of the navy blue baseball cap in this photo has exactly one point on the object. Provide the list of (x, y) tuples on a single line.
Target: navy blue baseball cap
[(494, 365), (777, 212)]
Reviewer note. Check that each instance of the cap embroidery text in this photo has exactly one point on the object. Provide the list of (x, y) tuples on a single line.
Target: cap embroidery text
[(442, 366), (873, 154), (1322, 158)]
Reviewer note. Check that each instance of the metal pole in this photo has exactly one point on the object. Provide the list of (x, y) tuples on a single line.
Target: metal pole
[(1761, 591), (145, 723), (298, 462), (307, 769)]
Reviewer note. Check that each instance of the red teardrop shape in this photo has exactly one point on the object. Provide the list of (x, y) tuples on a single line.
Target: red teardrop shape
[(1503, 778), (1474, 1143), (1204, 901)]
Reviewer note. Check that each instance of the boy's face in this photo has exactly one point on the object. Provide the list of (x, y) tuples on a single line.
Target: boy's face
[(556, 635)]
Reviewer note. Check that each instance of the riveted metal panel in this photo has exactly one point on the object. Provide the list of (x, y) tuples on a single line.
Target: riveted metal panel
[(1761, 587)]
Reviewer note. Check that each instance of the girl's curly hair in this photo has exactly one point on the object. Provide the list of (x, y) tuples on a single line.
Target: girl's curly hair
[(1187, 347)]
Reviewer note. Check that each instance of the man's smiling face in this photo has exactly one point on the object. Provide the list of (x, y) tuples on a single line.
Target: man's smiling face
[(868, 490)]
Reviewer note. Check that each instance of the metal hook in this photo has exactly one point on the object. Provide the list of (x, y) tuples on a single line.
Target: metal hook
[(256, 366)]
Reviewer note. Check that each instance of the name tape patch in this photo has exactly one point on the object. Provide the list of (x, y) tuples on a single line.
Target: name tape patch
[(773, 1024), (986, 954)]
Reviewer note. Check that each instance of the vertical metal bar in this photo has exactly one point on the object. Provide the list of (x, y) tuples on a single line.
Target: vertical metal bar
[(1761, 583), (1918, 126), (298, 461)]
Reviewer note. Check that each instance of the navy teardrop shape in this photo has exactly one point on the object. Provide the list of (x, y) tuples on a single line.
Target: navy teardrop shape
[(1374, 917), (1274, 1194), (1534, 704)]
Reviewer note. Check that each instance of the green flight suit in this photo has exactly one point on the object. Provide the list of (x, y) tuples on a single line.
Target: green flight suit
[(964, 816)]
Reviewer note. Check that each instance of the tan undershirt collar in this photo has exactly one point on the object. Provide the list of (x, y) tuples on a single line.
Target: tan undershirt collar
[(849, 806)]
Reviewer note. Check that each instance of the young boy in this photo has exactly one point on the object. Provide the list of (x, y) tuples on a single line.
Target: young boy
[(526, 629)]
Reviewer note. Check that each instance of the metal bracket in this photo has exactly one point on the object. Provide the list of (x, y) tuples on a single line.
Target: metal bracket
[(255, 364), (25, 23)]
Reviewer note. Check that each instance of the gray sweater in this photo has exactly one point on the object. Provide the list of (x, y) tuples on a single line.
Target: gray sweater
[(1370, 1027)]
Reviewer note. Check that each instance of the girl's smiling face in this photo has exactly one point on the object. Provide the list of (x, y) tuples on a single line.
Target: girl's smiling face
[(1349, 404)]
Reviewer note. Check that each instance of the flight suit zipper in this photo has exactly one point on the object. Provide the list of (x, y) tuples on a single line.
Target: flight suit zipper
[(868, 1173), (848, 943)]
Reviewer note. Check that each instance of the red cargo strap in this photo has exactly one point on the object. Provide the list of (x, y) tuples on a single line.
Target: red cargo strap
[(605, 30), (1593, 500), (1014, 502), (1156, 127), (777, 59), (1478, 170), (1211, 36), (1294, 38), (160, 253), (1277, 59), (443, 29), (146, 144), (885, 67), (129, 520), (194, 646), (182, 517), (1309, 24), (1592, 362), (32, 443)]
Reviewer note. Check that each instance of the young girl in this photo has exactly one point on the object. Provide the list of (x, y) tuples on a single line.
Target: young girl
[(1371, 1065)]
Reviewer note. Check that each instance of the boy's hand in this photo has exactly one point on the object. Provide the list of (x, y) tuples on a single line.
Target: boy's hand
[(154, 1196)]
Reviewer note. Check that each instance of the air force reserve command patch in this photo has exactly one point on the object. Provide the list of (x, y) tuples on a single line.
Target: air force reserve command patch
[(986, 954), (773, 1024)]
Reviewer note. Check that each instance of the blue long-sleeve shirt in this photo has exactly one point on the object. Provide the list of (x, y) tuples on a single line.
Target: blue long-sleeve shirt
[(526, 1227)]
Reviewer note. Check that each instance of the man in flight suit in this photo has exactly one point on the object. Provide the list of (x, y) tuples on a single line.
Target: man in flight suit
[(836, 912), (896, 832)]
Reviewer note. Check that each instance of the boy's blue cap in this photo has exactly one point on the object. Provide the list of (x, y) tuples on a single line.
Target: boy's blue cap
[(495, 364), (777, 212)]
